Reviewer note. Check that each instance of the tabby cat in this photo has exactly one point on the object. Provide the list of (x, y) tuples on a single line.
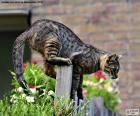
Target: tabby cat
[(60, 46)]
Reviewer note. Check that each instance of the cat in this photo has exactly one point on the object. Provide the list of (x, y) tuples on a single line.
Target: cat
[(59, 45)]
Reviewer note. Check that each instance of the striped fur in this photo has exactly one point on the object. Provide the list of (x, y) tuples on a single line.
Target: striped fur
[(59, 46)]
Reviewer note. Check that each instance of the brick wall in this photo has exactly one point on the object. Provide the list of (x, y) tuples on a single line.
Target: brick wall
[(113, 25)]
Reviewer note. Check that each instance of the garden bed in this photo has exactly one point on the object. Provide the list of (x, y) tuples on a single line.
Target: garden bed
[(40, 102)]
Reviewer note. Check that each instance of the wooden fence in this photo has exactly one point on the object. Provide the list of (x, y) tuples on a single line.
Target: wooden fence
[(95, 107)]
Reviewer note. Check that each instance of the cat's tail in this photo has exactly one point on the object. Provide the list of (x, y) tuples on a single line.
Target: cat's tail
[(18, 50)]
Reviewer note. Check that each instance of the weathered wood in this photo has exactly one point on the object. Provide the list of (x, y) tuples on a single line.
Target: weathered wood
[(63, 81), (63, 89), (95, 107), (75, 105)]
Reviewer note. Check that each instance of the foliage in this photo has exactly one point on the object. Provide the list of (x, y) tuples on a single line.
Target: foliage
[(97, 84), (35, 77), (43, 106), (41, 100)]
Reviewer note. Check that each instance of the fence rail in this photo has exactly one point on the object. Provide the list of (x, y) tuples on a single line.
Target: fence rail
[(95, 107)]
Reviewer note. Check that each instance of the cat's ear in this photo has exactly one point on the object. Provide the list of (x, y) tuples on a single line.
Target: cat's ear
[(113, 57), (120, 56)]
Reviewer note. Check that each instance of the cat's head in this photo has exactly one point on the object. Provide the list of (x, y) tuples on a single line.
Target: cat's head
[(110, 64)]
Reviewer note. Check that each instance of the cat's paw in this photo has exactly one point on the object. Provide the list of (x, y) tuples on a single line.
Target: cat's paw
[(68, 61)]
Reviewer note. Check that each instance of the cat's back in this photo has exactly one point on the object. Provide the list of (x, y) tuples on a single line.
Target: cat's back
[(46, 27), (69, 41)]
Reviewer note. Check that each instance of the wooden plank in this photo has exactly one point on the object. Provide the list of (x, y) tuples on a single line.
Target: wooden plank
[(75, 104), (92, 107), (102, 106), (63, 81), (99, 103), (106, 112)]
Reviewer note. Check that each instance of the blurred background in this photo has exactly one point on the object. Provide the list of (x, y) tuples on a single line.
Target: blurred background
[(112, 25)]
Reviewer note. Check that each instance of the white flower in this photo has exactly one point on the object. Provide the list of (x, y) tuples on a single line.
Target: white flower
[(101, 80), (13, 99), (20, 90), (23, 95), (33, 90), (50, 92), (109, 89), (30, 99)]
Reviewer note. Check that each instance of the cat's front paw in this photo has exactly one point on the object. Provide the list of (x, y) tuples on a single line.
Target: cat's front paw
[(68, 61)]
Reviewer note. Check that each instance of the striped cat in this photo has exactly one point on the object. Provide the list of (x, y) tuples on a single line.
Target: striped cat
[(60, 46)]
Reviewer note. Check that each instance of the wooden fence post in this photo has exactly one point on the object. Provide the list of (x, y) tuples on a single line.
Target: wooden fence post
[(63, 81)]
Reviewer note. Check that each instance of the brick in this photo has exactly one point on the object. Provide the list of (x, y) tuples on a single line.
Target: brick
[(118, 7), (135, 65), (125, 64), (74, 19), (122, 36), (50, 10), (120, 17), (98, 45), (135, 18), (134, 36), (75, 2), (90, 9), (135, 47), (136, 103), (117, 47), (123, 79), (100, 37), (117, 27), (88, 28), (135, 57), (55, 10), (135, 7), (134, 1), (101, 18), (51, 2), (137, 85), (125, 105), (105, 27), (110, 27), (15, 6), (124, 86), (136, 75), (135, 27), (135, 94), (108, 1), (109, 14), (104, 9), (124, 95), (69, 9)]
